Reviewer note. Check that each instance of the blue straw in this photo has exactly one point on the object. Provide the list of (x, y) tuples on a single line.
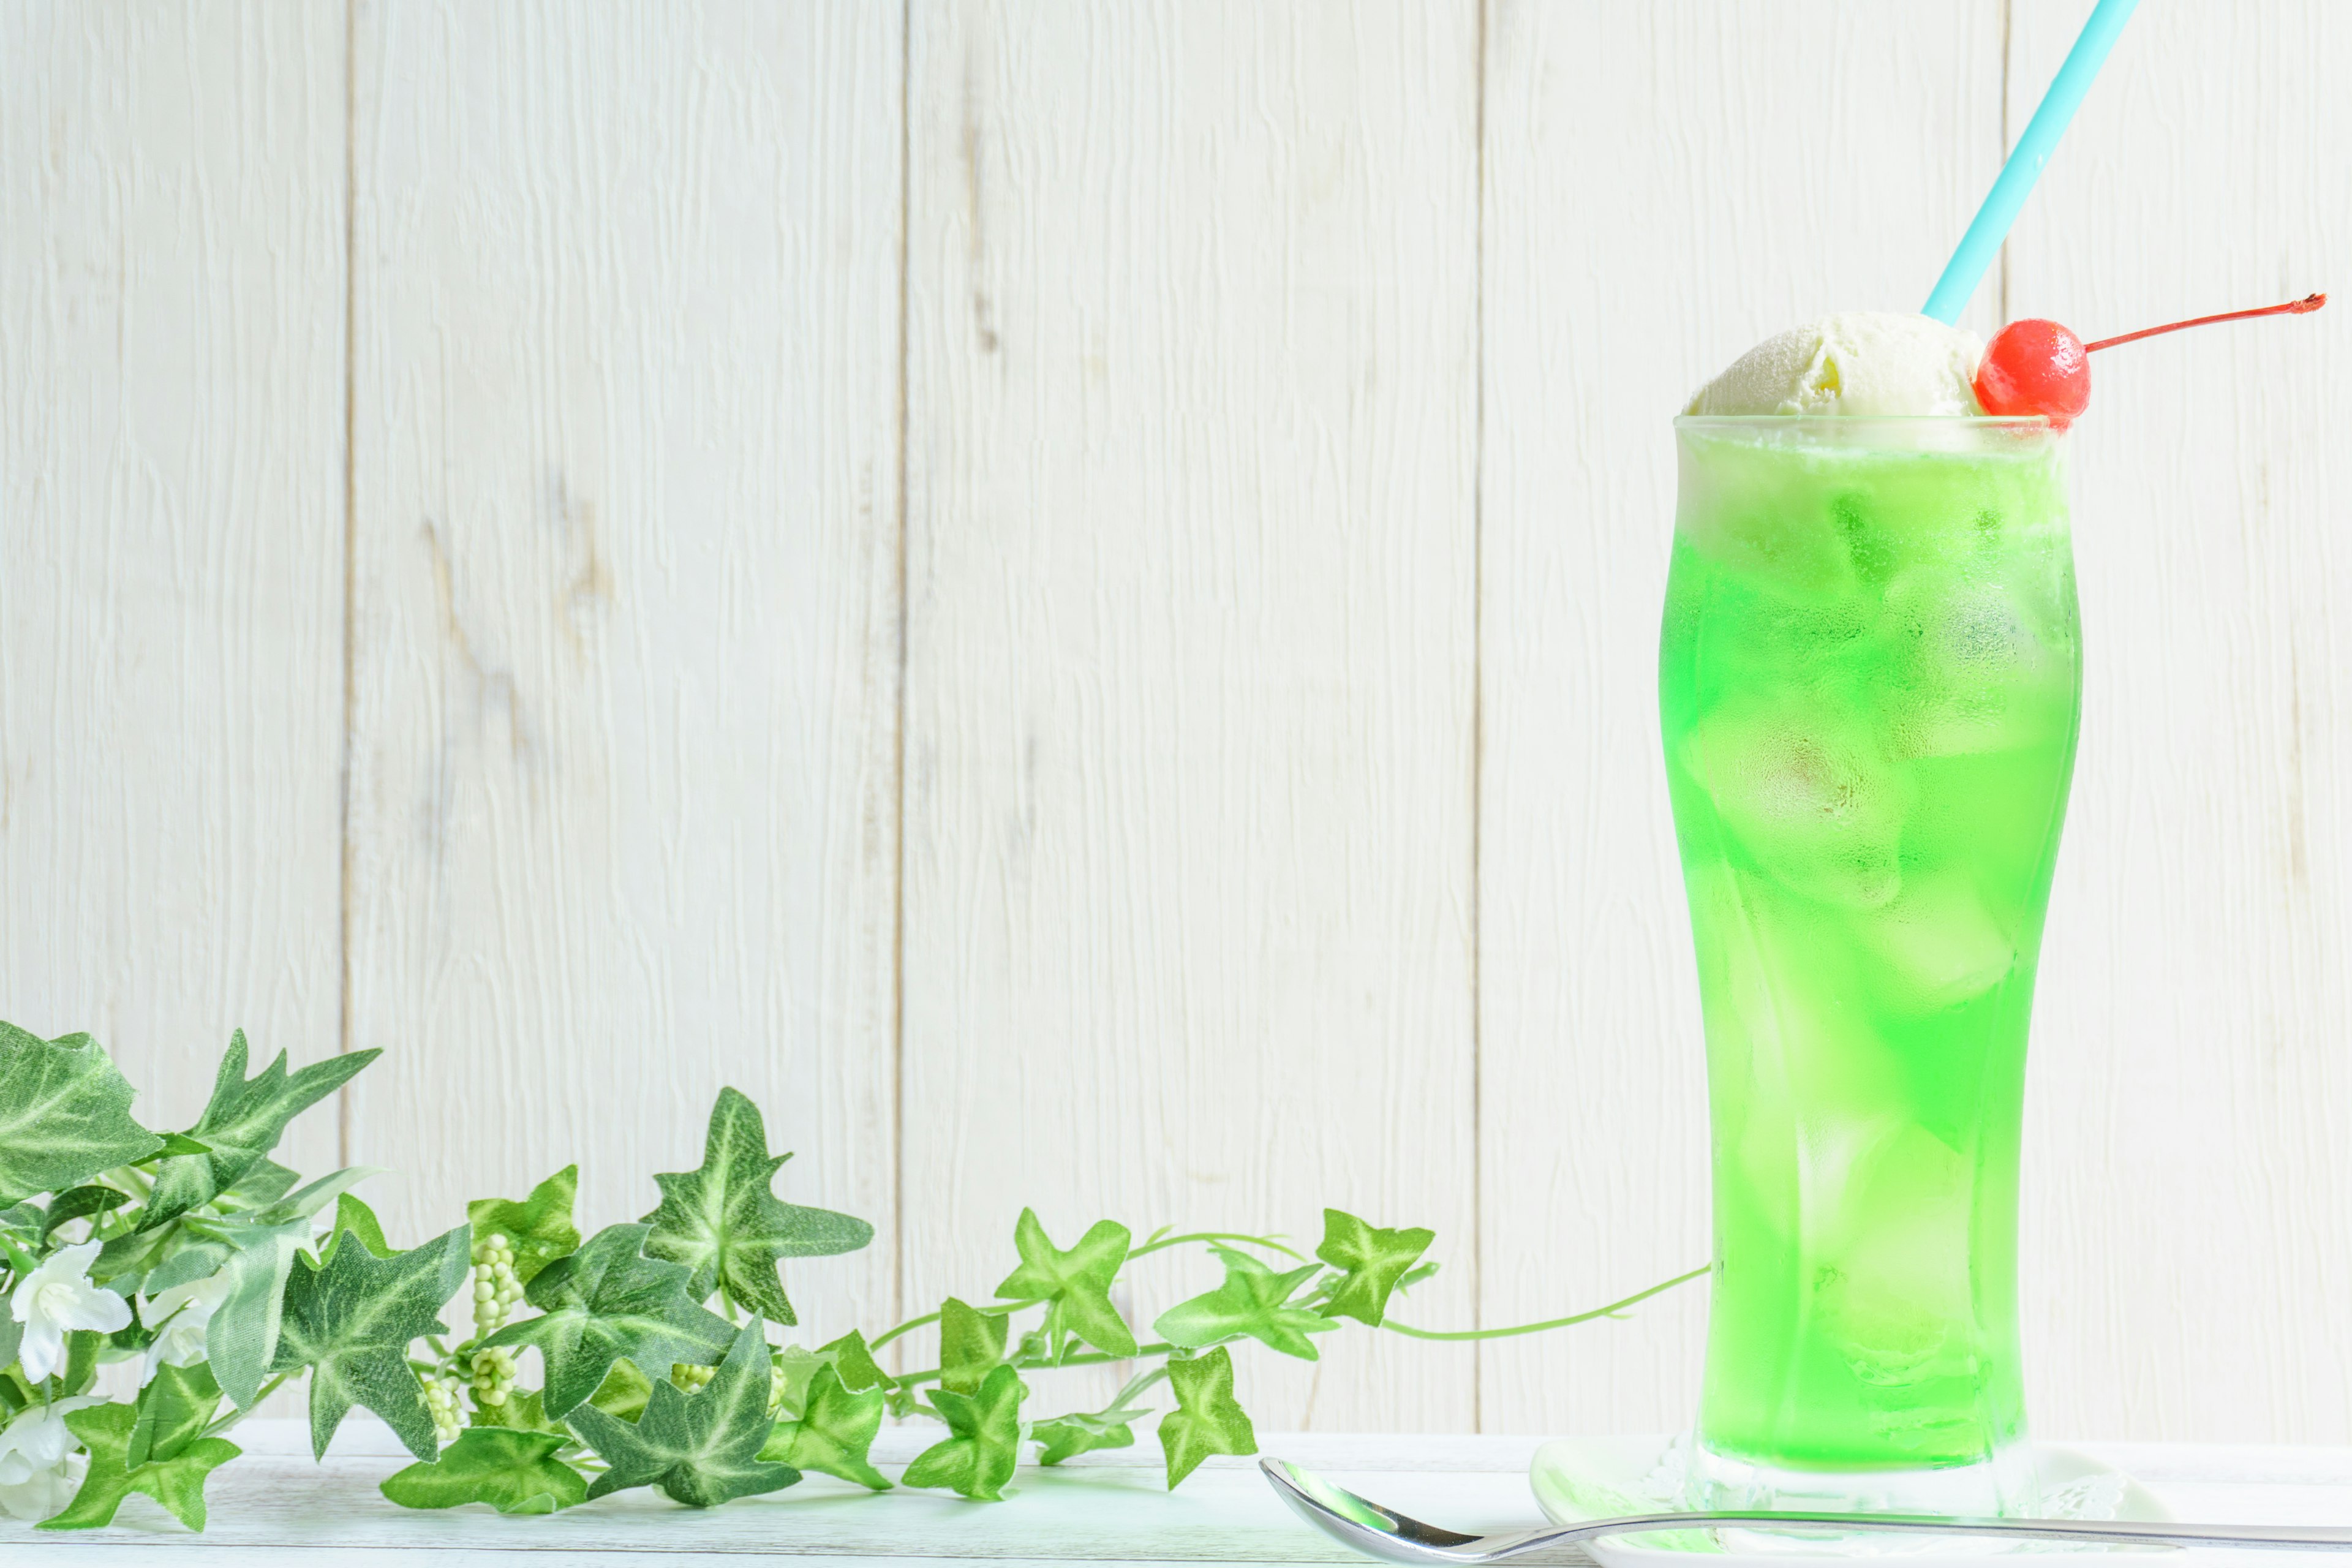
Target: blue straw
[(1982, 242)]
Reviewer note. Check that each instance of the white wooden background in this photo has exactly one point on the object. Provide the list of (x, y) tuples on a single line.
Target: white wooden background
[(1066, 596)]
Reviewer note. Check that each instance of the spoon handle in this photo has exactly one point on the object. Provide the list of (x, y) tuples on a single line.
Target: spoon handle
[(2112, 1533), (1385, 1532)]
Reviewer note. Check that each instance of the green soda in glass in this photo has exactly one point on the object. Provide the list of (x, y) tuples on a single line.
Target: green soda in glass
[(1869, 684)]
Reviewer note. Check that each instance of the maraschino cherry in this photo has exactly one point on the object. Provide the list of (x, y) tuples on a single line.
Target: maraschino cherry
[(2035, 366), (2039, 367)]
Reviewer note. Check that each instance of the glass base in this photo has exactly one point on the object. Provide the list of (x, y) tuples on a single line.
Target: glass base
[(2004, 1484)]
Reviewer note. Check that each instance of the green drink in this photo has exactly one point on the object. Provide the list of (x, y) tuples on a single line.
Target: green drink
[(1869, 685)]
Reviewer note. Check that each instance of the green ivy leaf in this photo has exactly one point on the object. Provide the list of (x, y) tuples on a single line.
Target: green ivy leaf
[(315, 1196), (82, 1347), (514, 1472), (124, 1260), (241, 1124), (725, 1223), (178, 1483), (607, 1301), (797, 1367), (833, 1433), (985, 1448), (173, 1410), (1066, 1437), (624, 1392), (1078, 1282), (856, 1363), (1249, 1302), (80, 1203), (263, 1183), (65, 1114), (1206, 1420), (350, 1321), (355, 1220), (128, 1341), (190, 1261), (699, 1448), (539, 1229), (1375, 1261), (972, 1345), (241, 1340), (520, 1410)]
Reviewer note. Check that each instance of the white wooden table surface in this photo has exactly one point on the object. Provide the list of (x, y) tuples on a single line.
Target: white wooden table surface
[(275, 1507)]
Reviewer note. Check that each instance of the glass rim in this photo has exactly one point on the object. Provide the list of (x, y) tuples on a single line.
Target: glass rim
[(2018, 422)]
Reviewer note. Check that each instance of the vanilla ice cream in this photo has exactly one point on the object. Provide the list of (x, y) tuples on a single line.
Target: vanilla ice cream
[(1853, 363)]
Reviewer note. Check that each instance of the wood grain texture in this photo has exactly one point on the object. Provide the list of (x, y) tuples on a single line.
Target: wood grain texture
[(2189, 1191), (1665, 185), (171, 535), (1192, 353), (624, 792)]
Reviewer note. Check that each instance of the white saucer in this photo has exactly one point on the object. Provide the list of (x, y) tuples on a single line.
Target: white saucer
[(1600, 1477)]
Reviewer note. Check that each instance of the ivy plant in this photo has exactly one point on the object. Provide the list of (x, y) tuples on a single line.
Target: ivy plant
[(225, 1276)]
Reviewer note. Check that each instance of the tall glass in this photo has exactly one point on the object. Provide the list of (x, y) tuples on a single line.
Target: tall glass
[(1869, 684)]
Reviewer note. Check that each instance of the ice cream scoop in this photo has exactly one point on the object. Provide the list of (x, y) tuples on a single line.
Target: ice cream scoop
[(1853, 363)]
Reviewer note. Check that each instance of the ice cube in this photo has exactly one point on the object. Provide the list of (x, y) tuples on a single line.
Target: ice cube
[(1979, 674), (1940, 944), (1805, 789), (1893, 1282), (1796, 1058)]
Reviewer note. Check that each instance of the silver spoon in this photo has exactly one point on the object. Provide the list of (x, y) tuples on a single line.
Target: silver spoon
[(1383, 1532)]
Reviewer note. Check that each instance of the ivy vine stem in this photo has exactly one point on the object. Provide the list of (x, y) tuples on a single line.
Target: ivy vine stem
[(908, 1382), (1158, 1244), (1138, 1385), (1163, 1243), (1396, 1328), (911, 1325), (236, 1416)]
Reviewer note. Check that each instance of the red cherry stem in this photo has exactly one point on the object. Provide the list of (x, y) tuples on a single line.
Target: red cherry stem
[(2303, 306)]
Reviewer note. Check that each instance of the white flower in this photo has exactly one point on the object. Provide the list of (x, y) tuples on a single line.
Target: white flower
[(34, 1483), (40, 1495), (58, 1296), (188, 1308)]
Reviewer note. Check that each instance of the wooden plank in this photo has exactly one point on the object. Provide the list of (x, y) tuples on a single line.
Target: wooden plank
[(2188, 1224), (171, 535), (1191, 389), (1103, 1508), (1666, 184), (623, 789)]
